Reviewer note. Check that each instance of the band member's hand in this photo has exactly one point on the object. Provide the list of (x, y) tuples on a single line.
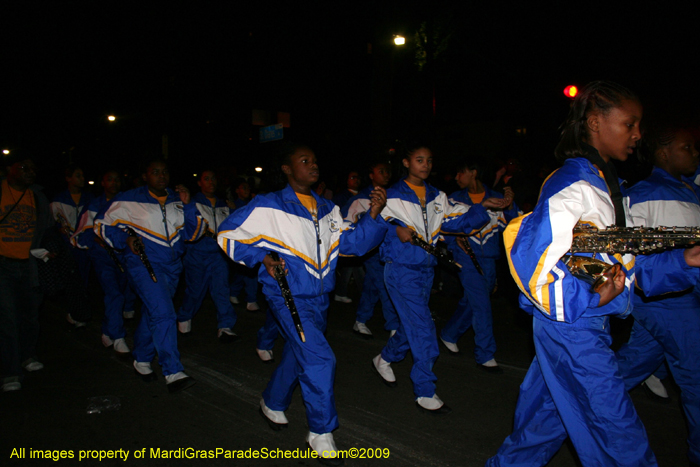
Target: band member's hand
[(692, 256), (378, 201), (508, 197), (494, 203), (184, 193), (612, 286), (405, 234), (270, 265), (133, 244)]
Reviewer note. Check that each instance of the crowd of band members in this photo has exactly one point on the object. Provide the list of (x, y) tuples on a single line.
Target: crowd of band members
[(141, 241)]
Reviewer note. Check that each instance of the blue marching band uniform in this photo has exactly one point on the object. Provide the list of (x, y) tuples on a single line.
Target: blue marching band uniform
[(574, 387), (67, 214), (118, 295), (373, 288), (474, 309), (409, 270), (206, 267), (310, 248), (667, 327), (164, 230)]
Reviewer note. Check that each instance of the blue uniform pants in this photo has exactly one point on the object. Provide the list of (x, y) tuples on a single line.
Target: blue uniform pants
[(668, 330), (474, 309), (310, 364), (115, 285), (374, 290), (268, 333), (573, 388), (246, 279), (207, 271), (409, 288), (156, 331)]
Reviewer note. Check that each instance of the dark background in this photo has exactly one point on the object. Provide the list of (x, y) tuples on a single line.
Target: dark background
[(194, 71)]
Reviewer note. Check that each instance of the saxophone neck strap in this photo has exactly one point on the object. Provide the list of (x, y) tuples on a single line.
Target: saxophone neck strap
[(591, 154)]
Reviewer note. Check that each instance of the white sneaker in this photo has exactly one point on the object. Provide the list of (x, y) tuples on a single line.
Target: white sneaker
[(656, 386), (143, 368), (324, 445), (184, 326), (121, 347), (226, 335), (12, 386), (275, 416), (107, 341), (178, 381), (233, 300), (77, 324), (340, 298), (128, 314), (265, 355), (384, 369), (252, 306), (33, 365), (361, 328), (450, 346), (433, 405)]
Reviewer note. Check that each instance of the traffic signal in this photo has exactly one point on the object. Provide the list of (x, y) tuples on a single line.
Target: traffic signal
[(570, 91)]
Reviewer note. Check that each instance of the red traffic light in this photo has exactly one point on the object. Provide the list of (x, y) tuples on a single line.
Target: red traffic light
[(570, 91)]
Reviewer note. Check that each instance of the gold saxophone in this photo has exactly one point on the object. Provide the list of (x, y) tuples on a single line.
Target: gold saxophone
[(613, 239)]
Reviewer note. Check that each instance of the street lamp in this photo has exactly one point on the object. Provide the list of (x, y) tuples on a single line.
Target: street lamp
[(111, 118), (399, 39), (258, 169), (6, 151)]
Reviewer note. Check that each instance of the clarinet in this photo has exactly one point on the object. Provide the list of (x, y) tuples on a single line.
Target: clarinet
[(463, 243), (439, 254), (281, 279), (138, 246), (113, 255)]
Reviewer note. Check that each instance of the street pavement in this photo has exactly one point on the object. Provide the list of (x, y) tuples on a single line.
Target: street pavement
[(50, 413)]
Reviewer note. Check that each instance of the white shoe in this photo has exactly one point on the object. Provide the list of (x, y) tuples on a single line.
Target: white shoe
[(450, 346), (391, 333), (340, 298), (107, 341), (77, 324), (233, 300), (128, 314), (33, 365), (433, 404), (491, 363), (656, 386), (324, 445), (178, 381), (265, 355), (361, 328), (252, 306), (226, 335), (12, 386), (143, 368), (384, 369), (184, 326), (275, 416), (121, 347)]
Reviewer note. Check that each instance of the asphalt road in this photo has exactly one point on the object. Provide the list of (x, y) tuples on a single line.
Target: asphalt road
[(221, 410)]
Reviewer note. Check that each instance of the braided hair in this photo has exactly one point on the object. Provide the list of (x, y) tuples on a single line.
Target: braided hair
[(597, 96)]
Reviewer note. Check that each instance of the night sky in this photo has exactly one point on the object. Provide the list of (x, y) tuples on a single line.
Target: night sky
[(196, 70)]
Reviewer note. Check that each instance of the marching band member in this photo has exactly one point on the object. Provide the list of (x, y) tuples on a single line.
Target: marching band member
[(308, 233), (162, 220)]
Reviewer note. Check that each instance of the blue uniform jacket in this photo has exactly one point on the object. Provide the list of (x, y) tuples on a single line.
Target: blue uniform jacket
[(403, 208), (577, 193), (214, 215), (486, 242), (84, 236), (163, 229), (66, 212), (279, 222), (662, 200)]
